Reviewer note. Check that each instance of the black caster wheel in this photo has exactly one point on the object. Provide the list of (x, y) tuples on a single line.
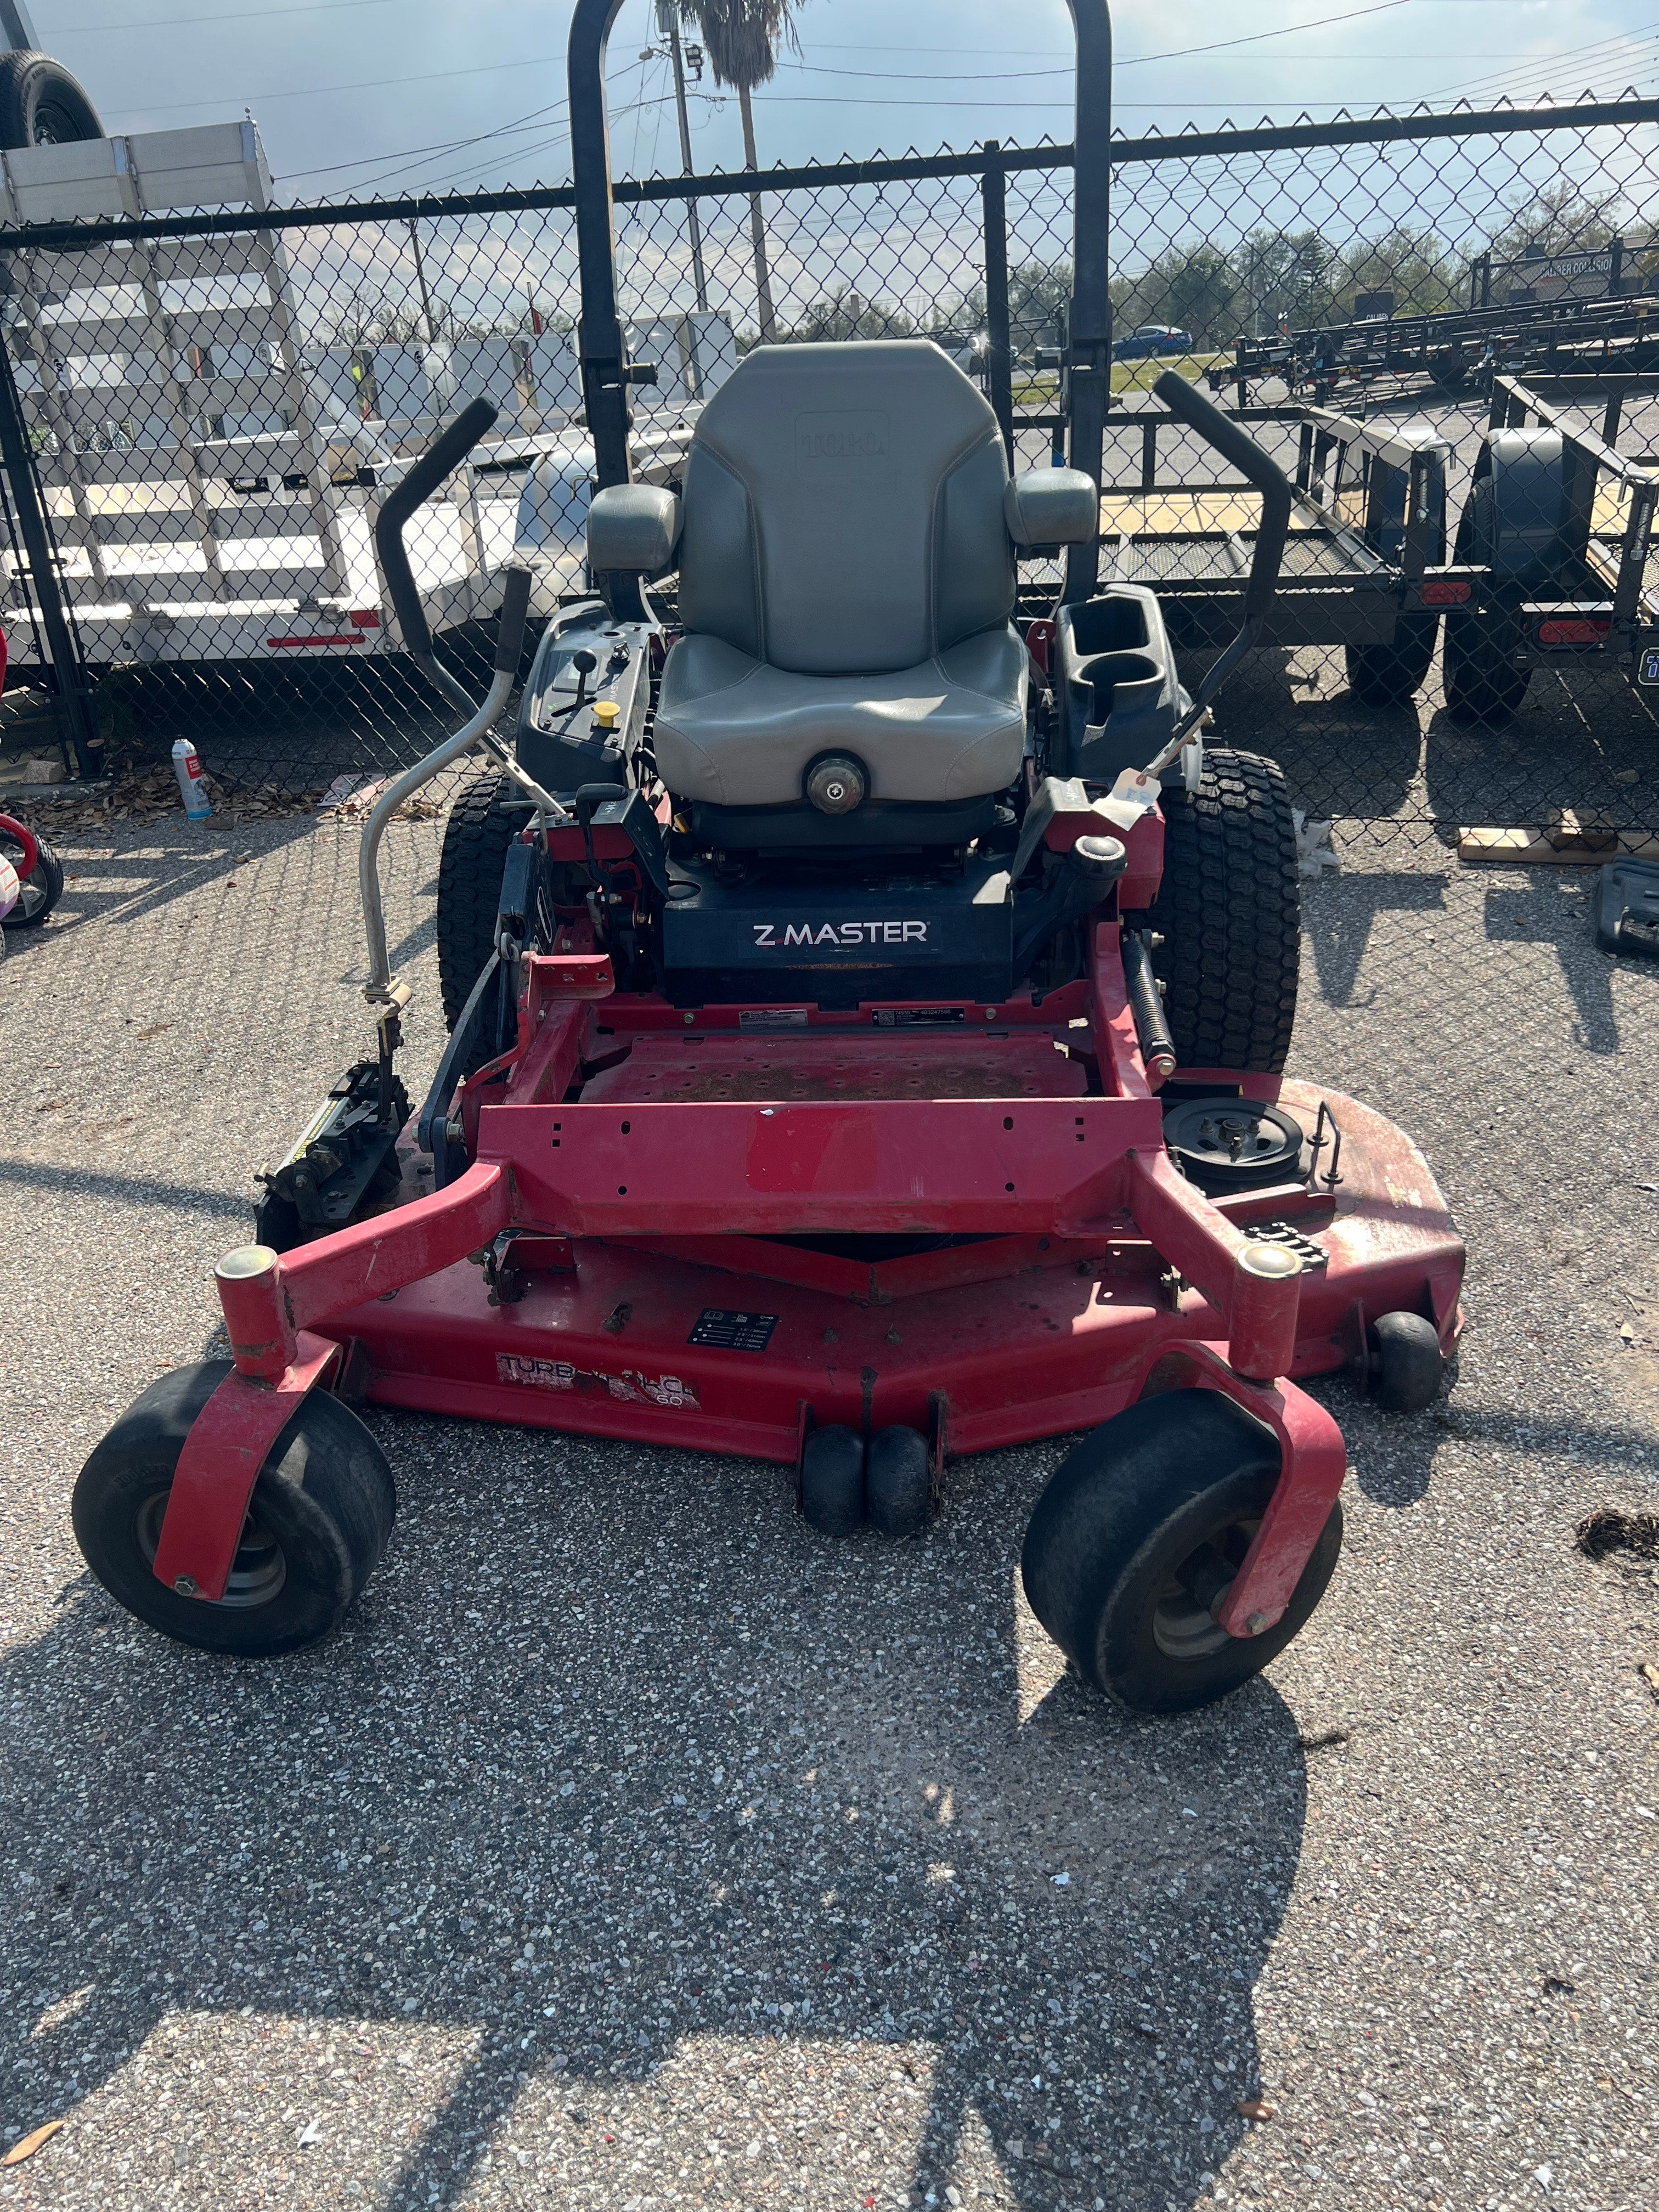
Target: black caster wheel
[(898, 1483), (832, 1480), (319, 1518), (1404, 1366), (1139, 1536)]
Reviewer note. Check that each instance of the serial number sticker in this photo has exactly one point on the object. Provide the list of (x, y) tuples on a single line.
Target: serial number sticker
[(1649, 671), (724, 1331)]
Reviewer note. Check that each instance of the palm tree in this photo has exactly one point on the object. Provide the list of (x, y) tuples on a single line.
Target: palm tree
[(741, 39)]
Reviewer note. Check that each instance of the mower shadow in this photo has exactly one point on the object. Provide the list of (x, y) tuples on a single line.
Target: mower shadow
[(726, 1781), (126, 1190), (1339, 914), (189, 859), (1552, 907)]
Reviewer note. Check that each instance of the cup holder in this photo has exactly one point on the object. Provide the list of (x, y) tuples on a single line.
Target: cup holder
[(1124, 680)]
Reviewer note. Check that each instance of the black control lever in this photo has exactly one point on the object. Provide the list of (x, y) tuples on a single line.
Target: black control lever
[(1234, 443), (515, 611), (441, 457)]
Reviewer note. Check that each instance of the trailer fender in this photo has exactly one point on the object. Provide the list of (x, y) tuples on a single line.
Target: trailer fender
[(1385, 514), (1528, 512)]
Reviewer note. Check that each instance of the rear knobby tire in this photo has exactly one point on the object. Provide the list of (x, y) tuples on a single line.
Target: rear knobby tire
[(1229, 910), (1134, 1504), (320, 1517), (476, 836), (1392, 675), (39, 891)]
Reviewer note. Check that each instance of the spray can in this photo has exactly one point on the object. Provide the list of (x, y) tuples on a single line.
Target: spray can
[(187, 767)]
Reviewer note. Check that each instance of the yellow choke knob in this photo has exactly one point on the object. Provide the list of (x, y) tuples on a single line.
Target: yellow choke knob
[(607, 714)]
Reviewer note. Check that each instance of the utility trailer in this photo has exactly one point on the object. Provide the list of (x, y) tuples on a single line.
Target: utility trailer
[(1443, 351), (1363, 564), (1557, 535), (211, 477)]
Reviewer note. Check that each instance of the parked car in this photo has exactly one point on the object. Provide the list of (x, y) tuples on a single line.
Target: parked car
[(1150, 340)]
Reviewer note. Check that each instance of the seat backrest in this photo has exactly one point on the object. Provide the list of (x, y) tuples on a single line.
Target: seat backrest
[(842, 510)]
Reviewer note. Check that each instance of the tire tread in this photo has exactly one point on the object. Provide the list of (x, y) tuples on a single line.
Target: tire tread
[(1229, 912)]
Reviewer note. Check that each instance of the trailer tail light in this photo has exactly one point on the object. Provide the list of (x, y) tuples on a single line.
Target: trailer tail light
[(1574, 629), (1447, 592), (365, 619)]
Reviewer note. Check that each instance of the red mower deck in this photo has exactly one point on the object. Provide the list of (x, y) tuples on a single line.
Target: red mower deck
[(566, 1279)]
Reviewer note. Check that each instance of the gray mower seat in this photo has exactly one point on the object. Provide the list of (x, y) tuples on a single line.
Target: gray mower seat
[(733, 731), (845, 554)]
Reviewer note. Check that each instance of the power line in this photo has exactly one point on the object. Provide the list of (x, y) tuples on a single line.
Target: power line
[(1009, 76), (368, 84), (234, 15)]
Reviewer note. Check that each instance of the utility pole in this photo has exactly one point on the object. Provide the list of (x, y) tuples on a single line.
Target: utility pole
[(668, 23), (420, 276), (757, 226)]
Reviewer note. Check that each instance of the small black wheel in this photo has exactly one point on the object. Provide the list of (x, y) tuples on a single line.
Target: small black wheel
[(898, 1482), (832, 1480), (319, 1518), (39, 891), (1406, 1365), (1141, 1531), (1392, 675)]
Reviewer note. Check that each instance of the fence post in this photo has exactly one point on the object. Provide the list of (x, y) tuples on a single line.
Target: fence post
[(993, 203), (76, 719)]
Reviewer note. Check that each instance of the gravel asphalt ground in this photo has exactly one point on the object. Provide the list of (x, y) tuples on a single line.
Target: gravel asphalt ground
[(632, 1848)]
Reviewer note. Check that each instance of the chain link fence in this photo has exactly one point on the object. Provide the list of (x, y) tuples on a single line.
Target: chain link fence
[(206, 409)]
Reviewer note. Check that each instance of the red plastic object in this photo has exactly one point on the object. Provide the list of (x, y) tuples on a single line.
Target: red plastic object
[(30, 857), (1574, 629), (1447, 591)]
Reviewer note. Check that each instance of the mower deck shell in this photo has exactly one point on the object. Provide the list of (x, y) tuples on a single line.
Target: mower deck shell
[(710, 1237), (1011, 1337)]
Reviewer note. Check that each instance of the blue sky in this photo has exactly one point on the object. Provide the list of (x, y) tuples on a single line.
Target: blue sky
[(389, 95)]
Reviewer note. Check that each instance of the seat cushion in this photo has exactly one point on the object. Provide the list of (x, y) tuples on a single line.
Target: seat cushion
[(734, 732)]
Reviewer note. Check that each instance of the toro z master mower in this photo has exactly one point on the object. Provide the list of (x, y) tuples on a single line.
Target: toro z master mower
[(867, 1027)]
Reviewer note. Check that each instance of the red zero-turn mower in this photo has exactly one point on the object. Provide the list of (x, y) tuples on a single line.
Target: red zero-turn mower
[(866, 1028)]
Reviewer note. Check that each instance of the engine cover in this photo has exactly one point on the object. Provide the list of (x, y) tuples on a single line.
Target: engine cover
[(771, 941)]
